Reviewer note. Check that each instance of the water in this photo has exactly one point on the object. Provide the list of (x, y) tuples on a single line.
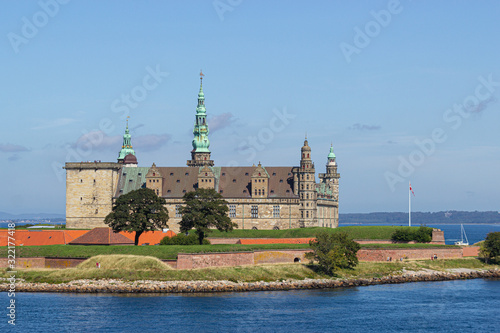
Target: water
[(475, 232), (413, 307)]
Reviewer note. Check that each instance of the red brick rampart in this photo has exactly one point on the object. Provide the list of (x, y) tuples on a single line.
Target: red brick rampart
[(396, 254)]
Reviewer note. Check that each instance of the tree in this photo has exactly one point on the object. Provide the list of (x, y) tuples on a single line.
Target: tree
[(205, 209), (140, 210), (333, 251), (492, 245)]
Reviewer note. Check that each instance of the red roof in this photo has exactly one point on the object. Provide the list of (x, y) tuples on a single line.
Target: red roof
[(149, 237), (101, 236)]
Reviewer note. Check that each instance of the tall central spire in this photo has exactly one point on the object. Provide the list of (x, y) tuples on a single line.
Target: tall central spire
[(200, 155)]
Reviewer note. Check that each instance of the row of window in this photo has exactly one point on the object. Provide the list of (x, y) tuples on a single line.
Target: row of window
[(254, 211)]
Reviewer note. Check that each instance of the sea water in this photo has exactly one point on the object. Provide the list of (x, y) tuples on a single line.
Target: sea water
[(449, 306)]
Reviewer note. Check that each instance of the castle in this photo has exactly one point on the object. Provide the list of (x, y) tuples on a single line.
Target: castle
[(258, 197)]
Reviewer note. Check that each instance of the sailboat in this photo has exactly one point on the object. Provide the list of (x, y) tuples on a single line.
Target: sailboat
[(462, 234)]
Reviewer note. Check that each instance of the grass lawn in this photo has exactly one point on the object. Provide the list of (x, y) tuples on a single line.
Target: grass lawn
[(167, 251), (237, 274), (355, 232)]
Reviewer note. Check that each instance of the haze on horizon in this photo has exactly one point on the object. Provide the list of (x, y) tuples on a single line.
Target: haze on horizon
[(405, 91)]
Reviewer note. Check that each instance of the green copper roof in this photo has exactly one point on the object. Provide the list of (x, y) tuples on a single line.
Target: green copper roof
[(131, 179), (331, 155), (200, 131), (126, 146)]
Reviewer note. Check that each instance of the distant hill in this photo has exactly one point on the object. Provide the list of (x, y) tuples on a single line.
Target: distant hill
[(418, 218), (36, 216)]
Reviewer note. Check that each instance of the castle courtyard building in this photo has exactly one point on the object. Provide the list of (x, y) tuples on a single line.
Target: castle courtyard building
[(259, 197)]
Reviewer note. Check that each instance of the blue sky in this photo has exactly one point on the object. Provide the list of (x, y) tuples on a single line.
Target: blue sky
[(405, 91)]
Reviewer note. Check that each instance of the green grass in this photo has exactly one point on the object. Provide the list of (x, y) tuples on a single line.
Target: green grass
[(125, 261), (355, 232), (240, 273), (167, 251), (160, 251)]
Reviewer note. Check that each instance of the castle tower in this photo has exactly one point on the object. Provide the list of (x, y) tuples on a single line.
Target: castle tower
[(200, 155), (127, 148), (331, 175), (307, 188)]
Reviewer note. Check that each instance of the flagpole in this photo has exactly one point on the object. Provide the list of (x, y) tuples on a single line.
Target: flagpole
[(409, 204)]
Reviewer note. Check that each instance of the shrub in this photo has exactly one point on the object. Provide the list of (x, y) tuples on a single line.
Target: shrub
[(422, 235), (402, 235), (492, 246), (182, 239), (333, 252)]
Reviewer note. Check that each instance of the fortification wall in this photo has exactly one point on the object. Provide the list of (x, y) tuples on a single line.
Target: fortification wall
[(396, 254)]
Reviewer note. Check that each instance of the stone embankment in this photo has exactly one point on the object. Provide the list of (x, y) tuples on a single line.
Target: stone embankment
[(147, 286)]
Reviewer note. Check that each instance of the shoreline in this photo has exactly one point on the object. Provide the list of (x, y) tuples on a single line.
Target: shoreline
[(151, 286)]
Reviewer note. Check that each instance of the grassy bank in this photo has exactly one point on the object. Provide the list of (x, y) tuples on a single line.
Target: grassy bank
[(241, 273), (355, 232), (167, 251)]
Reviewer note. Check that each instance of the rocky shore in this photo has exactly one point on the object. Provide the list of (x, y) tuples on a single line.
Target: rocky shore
[(148, 286)]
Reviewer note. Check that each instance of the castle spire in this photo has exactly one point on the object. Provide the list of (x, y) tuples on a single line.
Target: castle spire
[(200, 155), (127, 145)]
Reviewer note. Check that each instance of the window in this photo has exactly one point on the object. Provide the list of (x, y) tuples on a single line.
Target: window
[(246, 173), (232, 210), (171, 174), (281, 180), (223, 173), (255, 191), (307, 176), (168, 191), (307, 214), (186, 174), (177, 211), (234, 180), (260, 193), (272, 191), (276, 211), (183, 191), (274, 173), (255, 211), (178, 180), (157, 192), (307, 186)]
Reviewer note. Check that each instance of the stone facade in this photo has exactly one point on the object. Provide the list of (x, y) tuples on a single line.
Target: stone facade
[(90, 188), (258, 197)]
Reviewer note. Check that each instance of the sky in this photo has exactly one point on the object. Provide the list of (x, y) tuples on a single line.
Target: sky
[(404, 90)]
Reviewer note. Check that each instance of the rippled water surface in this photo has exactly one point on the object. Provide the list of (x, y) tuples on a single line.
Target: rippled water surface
[(413, 307)]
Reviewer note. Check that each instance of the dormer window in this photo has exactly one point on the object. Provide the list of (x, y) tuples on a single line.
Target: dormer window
[(274, 173), (186, 174), (171, 174), (281, 180), (246, 173), (234, 180), (178, 180)]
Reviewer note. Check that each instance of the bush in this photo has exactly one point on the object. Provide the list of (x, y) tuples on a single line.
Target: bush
[(491, 249), (422, 235), (182, 239), (333, 252), (402, 235)]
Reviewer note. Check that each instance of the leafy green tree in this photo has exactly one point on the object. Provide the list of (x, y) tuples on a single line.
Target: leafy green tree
[(205, 209), (333, 251), (492, 245), (140, 210), (422, 235)]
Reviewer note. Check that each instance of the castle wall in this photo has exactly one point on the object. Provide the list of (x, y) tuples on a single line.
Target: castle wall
[(90, 187)]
